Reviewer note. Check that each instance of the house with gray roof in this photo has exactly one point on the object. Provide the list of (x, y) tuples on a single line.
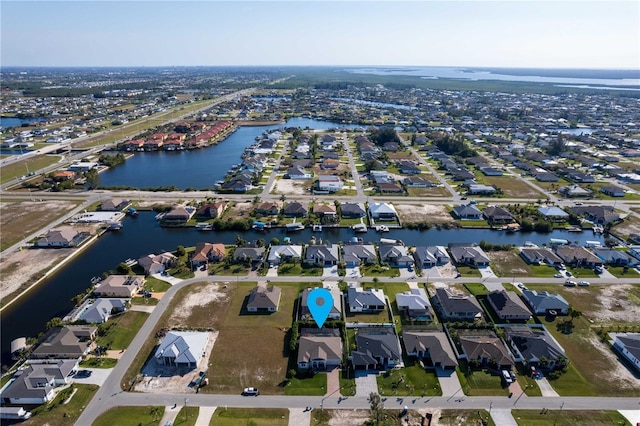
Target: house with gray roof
[(553, 213), (335, 312), (71, 341), (295, 209), (97, 311), (427, 257), (319, 349), (577, 256), (415, 305), (467, 212), (284, 253), (614, 257), (431, 347), (354, 254), (454, 306), (628, 344), (249, 253), (62, 237), (370, 300), (601, 215), (36, 383), (182, 348), (469, 254), (495, 214), (485, 348), (352, 210), (537, 255), (395, 255), (322, 255), (613, 191), (545, 302), (508, 305), (531, 344), (263, 298), (377, 348)]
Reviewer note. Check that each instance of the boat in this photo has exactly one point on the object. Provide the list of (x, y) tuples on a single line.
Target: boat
[(316, 227), (598, 229), (512, 227), (382, 228), (573, 229), (114, 226), (291, 227), (132, 212), (204, 226), (360, 228)]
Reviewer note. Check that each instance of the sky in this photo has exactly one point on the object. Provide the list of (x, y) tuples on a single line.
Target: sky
[(539, 34)]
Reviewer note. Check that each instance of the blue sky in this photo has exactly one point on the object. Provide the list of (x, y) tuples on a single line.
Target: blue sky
[(554, 34)]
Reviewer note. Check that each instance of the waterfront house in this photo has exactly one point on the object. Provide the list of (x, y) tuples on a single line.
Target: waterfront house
[(467, 212), (628, 344), (252, 254), (553, 213), (354, 254), (97, 311), (431, 347), (264, 299), (351, 210), (382, 211), (468, 254), (395, 255), (207, 252), (544, 302), (114, 204), (415, 305), (71, 341), (366, 301), (35, 383), (377, 348), (284, 253), (601, 215), (336, 310), (322, 255), (485, 348), (62, 237), (455, 306), (537, 256), (182, 349), (508, 306), (577, 256), (614, 257), (533, 345), (155, 264), (427, 257), (327, 212), (495, 214), (295, 209), (178, 215), (120, 286), (268, 208), (211, 210), (319, 349)]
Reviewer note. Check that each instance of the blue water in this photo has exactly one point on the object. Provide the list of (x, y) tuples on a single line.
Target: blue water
[(6, 122), (200, 168), (142, 235), (378, 104)]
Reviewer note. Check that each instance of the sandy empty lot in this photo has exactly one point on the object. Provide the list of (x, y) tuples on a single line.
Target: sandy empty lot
[(290, 187), (423, 213)]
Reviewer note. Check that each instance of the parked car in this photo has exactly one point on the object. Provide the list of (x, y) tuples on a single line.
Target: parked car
[(584, 284), (570, 283), (83, 374), (507, 377), (598, 269), (250, 392), (558, 276), (568, 274)]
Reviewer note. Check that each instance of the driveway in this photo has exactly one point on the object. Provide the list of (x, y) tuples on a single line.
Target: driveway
[(330, 271), (493, 285), (98, 376), (366, 383), (170, 414), (432, 272), (449, 382), (167, 278), (545, 386), (298, 417), (405, 273), (487, 272), (353, 272), (272, 272), (204, 415), (503, 418)]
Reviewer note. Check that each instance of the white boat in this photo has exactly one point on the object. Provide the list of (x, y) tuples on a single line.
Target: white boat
[(316, 227), (294, 227), (382, 228), (360, 228), (114, 226), (204, 226)]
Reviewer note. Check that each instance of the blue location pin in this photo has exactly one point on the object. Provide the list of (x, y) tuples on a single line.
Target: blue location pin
[(320, 302)]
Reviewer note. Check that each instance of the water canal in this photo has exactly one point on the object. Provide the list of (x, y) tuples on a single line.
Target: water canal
[(143, 235)]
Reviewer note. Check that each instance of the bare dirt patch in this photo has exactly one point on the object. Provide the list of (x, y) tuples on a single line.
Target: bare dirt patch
[(618, 304), (348, 417), (507, 263), (240, 210), (291, 187), (423, 213), (631, 225), (199, 297), (618, 373)]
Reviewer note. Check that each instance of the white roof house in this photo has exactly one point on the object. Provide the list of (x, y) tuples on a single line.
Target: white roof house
[(182, 348), (382, 210), (284, 252)]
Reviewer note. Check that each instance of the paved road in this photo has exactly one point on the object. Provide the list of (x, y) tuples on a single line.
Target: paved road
[(360, 197)]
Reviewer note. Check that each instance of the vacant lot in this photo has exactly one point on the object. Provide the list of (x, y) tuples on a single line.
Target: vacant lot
[(508, 264), (291, 186), (19, 168), (630, 225), (512, 187), (239, 211), (423, 213), (250, 416), (567, 417)]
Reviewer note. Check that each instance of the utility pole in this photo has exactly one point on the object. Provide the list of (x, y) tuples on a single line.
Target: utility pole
[(558, 415)]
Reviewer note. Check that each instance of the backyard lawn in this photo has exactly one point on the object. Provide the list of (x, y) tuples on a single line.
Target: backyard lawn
[(58, 414), (120, 331), (130, 416), (479, 382), (412, 380), (250, 416)]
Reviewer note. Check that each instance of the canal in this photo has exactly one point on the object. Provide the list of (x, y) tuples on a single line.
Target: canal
[(143, 235)]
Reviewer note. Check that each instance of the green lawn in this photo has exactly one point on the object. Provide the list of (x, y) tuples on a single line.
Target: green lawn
[(347, 385), (379, 271), (130, 416), (250, 416), (151, 301), (101, 362), (299, 270), (542, 271), (58, 414), (582, 272), (187, 416), (527, 384), (620, 272), (467, 271), (121, 330), (220, 268), (155, 285), (479, 382), (473, 224), (412, 380), (568, 418), (33, 164), (476, 289), (314, 385), (465, 417)]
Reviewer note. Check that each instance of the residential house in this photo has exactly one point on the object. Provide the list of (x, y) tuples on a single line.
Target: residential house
[(329, 183), (613, 191), (236, 185), (533, 345), (182, 349), (370, 300), (297, 172), (468, 254), (35, 384), (207, 252), (295, 209), (553, 213), (322, 255), (574, 191), (495, 214), (327, 212), (211, 210), (284, 253), (486, 349), (336, 310), (628, 344), (467, 212), (490, 171), (354, 254), (264, 299), (120, 286), (97, 311), (602, 215), (62, 237), (71, 341), (417, 182), (577, 256), (351, 210), (537, 256), (546, 177), (178, 215), (382, 211), (430, 346), (319, 349), (508, 306), (478, 189), (268, 208), (114, 204), (329, 164), (252, 254), (427, 257), (395, 255), (614, 257), (390, 188), (377, 348), (408, 167), (455, 306), (415, 305), (580, 177), (545, 303), (155, 264)]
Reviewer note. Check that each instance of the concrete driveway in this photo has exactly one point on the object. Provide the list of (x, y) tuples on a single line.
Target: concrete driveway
[(353, 272), (487, 272), (167, 278), (366, 383), (272, 272), (503, 418), (98, 376), (330, 271), (449, 382)]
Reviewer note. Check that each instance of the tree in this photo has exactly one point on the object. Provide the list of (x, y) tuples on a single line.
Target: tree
[(574, 313), (377, 407), (124, 269), (92, 177), (180, 251), (54, 322), (556, 146)]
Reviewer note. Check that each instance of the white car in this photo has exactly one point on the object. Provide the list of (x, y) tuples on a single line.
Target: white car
[(569, 283), (558, 276), (250, 392), (584, 284)]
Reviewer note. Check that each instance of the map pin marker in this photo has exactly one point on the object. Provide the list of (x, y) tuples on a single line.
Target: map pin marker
[(320, 302)]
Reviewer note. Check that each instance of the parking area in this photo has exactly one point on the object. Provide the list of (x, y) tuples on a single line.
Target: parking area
[(97, 377)]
